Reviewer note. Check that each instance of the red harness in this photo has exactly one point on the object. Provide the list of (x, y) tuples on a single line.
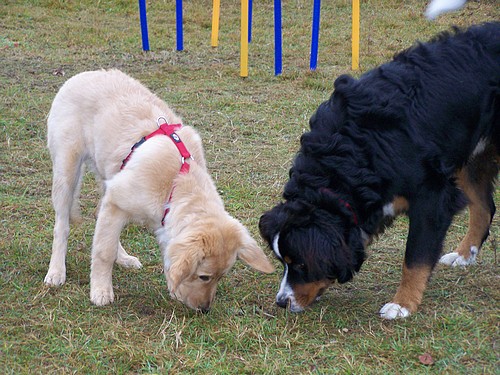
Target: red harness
[(168, 130)]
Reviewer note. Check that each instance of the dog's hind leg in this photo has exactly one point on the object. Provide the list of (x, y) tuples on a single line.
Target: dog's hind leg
[(75, 213), (105, 248), (67, 170), (125, 260), (476, 181)]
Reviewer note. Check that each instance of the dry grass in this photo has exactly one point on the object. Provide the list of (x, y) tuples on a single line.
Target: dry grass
[(250, 129)]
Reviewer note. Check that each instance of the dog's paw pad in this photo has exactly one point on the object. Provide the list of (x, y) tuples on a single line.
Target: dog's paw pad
[(102, 297), (129, 262), (455, 259), (55, 278), (393, 311)]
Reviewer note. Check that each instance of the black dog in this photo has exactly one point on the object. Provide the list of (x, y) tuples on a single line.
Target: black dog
[(420, 135)]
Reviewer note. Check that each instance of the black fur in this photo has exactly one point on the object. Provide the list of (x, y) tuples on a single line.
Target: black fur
[(402, 129)]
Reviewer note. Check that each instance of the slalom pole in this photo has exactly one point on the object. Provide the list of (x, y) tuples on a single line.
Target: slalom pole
[(144, 25), (178, 24), (355, 34), (315, 34), (215, 23), (278, 64), (244, 39), (250, 11)]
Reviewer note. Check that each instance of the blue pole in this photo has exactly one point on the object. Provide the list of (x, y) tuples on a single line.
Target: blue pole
[(277, 38), (144, 25), (315, 34), (178, 25), (250, 6)]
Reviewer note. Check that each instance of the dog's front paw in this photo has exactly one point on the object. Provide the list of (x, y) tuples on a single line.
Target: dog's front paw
[(129, 261), (393, 311), (101, 296), (55, 278), (455, 259)]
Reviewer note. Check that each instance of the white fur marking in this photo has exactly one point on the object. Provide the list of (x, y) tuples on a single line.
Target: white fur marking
[(388, 210), (480, 147), (275, 246), (393, 311), (285, 289), (286, 293), (454, 259)]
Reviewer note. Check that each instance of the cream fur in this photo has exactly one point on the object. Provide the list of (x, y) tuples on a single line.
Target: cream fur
[(95, 118)]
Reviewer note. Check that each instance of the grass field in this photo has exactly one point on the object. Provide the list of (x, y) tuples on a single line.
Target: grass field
[(251, 129)]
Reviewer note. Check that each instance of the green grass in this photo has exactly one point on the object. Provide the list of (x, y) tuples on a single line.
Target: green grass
[(250, 129)]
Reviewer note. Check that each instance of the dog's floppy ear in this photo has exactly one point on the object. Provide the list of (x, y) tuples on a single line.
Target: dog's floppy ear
[(356, 250), (271, 222), (185, 257), (251, 253)]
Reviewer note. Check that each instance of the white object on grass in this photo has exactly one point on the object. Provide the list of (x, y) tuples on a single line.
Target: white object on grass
[(437, 7)]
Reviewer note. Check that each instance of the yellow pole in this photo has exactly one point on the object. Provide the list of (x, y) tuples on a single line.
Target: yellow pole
[(215, 23), (244, 39), (355, 34)]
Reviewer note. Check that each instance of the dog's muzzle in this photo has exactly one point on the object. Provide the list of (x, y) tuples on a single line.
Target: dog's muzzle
[(288, 301)]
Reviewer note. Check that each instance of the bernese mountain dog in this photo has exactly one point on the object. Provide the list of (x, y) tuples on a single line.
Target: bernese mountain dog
[(418, 135)]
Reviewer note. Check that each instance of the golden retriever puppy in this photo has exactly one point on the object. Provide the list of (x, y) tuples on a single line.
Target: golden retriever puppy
[(163, 183)]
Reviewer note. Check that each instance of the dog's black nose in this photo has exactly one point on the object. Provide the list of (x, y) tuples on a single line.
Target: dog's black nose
[(282, 302)]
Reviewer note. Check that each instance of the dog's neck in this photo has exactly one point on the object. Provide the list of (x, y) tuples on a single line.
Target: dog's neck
[(194, 192)]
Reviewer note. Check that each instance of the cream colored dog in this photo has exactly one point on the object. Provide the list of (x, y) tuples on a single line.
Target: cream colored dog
[(95, 119)]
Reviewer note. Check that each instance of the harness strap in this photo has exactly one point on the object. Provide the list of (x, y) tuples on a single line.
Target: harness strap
[(169, 131), (132, 149)]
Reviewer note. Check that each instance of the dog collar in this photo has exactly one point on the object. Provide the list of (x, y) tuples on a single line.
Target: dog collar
[(170, 131)]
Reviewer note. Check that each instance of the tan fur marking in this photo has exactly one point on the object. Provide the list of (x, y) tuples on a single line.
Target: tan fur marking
[(479, 216), (413, 283), (305, 294), (400, 205)]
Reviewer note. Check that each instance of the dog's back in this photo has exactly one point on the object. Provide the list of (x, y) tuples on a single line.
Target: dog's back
[(446, 77), (98, 115)]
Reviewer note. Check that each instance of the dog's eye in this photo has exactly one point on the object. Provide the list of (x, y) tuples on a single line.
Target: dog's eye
[(204, 277), (299, 267)]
